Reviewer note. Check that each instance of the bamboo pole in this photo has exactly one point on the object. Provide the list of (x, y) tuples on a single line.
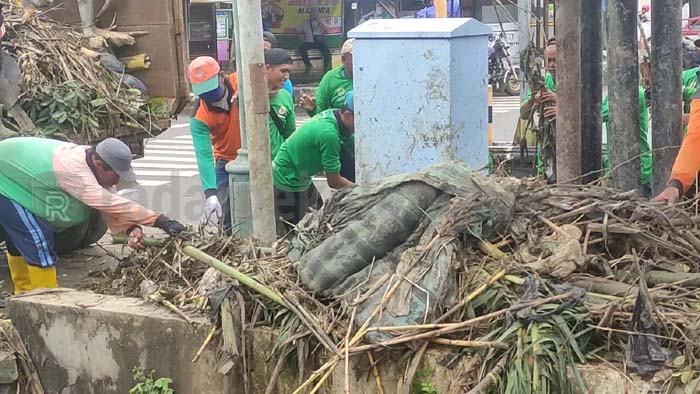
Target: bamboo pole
[(470, 344), (206, 342), (234, 273)]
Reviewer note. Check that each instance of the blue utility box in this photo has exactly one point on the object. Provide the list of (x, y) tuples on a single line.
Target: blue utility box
[(420, 94)]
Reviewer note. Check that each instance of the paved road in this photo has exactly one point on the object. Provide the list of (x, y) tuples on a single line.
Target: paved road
[(168, 175)]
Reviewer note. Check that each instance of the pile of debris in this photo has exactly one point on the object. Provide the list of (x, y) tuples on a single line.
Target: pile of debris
[(68, 90), (531, 279)]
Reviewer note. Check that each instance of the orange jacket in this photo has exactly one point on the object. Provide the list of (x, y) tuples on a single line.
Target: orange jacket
[(687, 162), (224, 127)]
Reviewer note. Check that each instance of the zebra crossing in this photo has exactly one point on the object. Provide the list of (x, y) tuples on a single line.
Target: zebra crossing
[(166, 158), (504, 104), (169, 157)]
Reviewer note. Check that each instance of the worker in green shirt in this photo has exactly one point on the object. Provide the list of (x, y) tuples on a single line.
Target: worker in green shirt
[(690, 83), (282, 121), (330, 94), (545, 95), (333, 86), (548, 94), (644, 146), (314, 148)]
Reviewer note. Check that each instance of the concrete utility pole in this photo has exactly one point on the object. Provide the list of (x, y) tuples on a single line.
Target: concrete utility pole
[(568, 134), (239, 169), (666, 94), (623, 94), (251, 68), (591, 89)]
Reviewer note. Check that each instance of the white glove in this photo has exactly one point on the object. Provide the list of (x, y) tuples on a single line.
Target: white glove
[(211, 207)]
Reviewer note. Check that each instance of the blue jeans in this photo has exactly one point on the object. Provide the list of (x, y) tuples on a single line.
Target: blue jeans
[(223, 194)]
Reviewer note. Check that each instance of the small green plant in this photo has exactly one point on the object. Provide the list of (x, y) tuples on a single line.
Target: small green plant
[(422, 383), (148, 384)]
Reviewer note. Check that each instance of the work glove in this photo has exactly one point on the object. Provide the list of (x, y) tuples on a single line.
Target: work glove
[(212, 207), (170, 226)]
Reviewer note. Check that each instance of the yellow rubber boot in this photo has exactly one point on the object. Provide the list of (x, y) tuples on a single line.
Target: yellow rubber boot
[(19, 273), (43, 278)]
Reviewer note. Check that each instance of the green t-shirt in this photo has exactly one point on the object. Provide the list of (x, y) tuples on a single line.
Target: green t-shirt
[(330, 93), (283, 105), (690, 77), (27, 177), (645, 146), (690, 83), (313, 148)]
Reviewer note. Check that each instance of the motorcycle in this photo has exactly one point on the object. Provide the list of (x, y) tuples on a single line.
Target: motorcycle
[(503, 75)]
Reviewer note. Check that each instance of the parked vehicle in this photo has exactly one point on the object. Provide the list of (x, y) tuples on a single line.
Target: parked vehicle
[(503, 75), (692, 27)]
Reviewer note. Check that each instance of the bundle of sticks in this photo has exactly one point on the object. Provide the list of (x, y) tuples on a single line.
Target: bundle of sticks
[(67, 94)]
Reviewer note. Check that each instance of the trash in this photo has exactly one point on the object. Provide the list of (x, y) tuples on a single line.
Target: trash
[(68, 90), (564, 251), (457, 278), (645, 354), (427, 217), (385, 226)]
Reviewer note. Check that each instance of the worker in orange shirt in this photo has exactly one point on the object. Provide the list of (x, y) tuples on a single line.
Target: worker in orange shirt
[(216, 133), (687, 162)]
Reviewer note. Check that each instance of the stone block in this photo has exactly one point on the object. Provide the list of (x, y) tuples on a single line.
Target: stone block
[(85, 343)]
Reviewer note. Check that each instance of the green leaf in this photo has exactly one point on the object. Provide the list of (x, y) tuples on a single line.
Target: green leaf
[(98, 102), (59, 116), (679, 361), (686, 376)]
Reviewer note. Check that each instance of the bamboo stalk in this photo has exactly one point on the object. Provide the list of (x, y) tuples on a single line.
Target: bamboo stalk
[(576, 212), (689, 279), (471, 344), (498, 275), (294, 305), (235, 274), (206, 342), (346, 355), (491, 378), (171, 306), (275, 374), (375, 372), (492, 250)]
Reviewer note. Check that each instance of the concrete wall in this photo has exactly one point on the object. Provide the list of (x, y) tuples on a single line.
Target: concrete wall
[(84, 343)]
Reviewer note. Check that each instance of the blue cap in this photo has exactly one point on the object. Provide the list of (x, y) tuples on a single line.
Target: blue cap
[(350, 101)]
